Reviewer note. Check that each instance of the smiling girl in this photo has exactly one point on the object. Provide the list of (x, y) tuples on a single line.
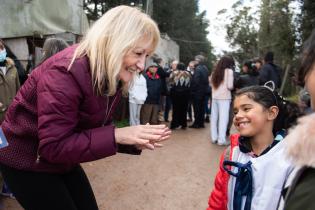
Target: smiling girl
[(253, 169)]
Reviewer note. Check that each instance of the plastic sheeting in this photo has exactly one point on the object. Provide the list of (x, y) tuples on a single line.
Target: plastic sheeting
[(21, 18)]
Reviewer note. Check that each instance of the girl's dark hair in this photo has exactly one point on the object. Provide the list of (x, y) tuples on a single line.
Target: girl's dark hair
[(181, 66), (218, 73), (252, 70), (53, 46), (288, 111), (307, 58)]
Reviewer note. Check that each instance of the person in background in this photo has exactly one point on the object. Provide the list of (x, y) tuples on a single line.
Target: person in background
[(52, 46), (137, 95), (190, 69), (249, 76), (168, 100), (180, 84), (19, 67), (254, 168), (199, 86), (9, 85), (301, 140), (258, 63), (150, 109), (222, 84), (270, 71), (62, 115), (164, 74), (305, 102)]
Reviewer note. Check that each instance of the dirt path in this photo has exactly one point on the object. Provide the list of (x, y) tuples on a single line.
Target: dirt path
[(176, 177)]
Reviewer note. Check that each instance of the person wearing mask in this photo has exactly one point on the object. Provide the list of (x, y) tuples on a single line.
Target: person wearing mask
[(62, 115), (9, 85)]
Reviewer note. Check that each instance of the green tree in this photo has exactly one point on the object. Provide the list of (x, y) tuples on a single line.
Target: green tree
[(242, 31), (277, 31), (307, 18), (94, 9), (181, 20)]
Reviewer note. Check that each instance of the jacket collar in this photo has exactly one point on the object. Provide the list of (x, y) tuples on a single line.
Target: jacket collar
[(245, 146), (300, 142)]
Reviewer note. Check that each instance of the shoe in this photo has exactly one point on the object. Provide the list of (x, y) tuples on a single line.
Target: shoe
[(223, 143), (207, 120), (183, 128), (194, 126), (214, 142), (6, 191)]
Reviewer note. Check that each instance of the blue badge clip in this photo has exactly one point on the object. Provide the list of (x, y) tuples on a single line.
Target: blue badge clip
[(3, 140)]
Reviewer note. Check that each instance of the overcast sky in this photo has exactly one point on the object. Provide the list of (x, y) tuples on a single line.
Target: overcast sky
[(217, 31)]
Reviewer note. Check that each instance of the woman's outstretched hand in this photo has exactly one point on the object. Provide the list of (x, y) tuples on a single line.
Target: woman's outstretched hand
[(143, 136)]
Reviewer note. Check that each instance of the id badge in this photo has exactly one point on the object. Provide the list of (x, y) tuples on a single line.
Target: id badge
[(3, 140)]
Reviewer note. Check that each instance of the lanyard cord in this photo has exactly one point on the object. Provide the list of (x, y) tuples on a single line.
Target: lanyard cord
[(243, 184)]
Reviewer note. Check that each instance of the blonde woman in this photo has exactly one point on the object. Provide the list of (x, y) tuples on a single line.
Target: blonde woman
[(62, 115)]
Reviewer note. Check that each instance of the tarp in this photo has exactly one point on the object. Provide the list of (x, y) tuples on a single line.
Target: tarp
[(21, 18)]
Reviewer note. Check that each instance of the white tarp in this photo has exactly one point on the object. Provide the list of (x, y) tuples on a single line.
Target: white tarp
[(41, 17)]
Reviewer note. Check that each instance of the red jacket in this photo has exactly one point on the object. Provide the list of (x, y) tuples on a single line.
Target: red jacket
[(218, 199), (55, 121)]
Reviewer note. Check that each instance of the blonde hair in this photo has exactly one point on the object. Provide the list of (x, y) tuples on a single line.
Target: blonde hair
[(109, 39)]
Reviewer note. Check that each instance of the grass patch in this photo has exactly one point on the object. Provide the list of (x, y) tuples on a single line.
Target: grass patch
[(121, 123)]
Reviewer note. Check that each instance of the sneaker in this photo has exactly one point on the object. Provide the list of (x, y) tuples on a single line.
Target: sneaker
[(6, 191), (223, 143)]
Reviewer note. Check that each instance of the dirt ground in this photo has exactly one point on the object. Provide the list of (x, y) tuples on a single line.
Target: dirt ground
[(177, 177)]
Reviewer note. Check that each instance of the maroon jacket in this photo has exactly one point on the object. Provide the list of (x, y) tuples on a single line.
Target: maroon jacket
[(55, 121)]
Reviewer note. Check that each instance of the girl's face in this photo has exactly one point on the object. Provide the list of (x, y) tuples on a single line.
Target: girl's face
[(310, 85), (251, 118), (134, 60)]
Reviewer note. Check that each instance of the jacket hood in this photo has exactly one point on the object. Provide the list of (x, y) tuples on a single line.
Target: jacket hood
[(300, 142), (10, 62)]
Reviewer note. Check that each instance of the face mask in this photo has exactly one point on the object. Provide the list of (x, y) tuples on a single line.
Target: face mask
[(3, 55)]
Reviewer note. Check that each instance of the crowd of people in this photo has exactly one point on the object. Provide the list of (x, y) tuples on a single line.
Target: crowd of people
[(62, 116)]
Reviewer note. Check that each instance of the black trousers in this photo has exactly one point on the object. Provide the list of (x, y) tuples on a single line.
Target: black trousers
[(199, 110), (48, 191), (180, 104)]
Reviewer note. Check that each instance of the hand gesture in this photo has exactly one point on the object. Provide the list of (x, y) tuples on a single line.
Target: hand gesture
[(143, 136)]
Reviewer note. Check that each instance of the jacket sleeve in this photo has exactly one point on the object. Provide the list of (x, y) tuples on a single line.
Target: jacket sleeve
[(60, 141), (218, 196)]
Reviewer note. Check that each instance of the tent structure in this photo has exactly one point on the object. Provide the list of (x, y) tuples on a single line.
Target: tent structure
[(21, 18)]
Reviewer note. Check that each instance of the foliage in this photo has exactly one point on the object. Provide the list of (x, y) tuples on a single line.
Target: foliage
[(121, 123), (94, 9), (181, 20), (241, 31), (307, 18)]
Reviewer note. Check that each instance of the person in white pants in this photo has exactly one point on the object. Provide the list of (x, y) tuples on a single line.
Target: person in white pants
[(222, 83), (137, 95)]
